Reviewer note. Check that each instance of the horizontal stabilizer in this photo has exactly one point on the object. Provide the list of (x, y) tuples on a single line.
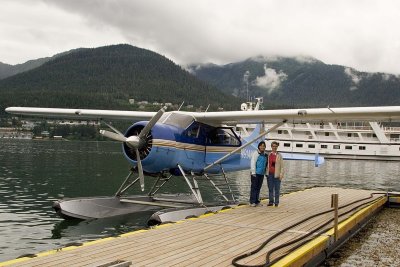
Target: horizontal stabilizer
[(318, 160)]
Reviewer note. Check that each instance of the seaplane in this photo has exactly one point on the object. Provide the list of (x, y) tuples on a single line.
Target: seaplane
[(196, 146)]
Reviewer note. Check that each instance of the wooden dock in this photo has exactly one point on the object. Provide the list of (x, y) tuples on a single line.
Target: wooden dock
[(216, 239)]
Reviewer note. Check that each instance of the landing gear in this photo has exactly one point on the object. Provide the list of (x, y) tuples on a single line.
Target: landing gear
[(222, 187), (121, 203), (127, 183)]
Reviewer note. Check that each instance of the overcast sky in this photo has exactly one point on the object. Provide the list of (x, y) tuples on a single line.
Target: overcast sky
[(364, 35)]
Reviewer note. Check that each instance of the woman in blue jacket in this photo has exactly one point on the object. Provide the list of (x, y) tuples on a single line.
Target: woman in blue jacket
[(258, 167)]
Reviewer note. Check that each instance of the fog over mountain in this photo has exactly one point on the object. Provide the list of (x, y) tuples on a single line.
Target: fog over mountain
[(301, 81)]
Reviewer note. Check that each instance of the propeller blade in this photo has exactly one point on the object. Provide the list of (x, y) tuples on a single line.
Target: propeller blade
[(113, 136), (152, 122), (113, 128), (133, 141), (140, 169)]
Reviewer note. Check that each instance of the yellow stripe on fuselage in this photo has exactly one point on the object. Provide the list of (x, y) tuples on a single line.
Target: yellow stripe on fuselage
[(193, 147)]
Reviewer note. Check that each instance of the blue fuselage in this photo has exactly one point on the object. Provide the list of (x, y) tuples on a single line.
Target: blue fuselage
[(192, 148)]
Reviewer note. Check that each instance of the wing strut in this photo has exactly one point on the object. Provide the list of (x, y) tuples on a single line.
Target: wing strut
[(245, 145)]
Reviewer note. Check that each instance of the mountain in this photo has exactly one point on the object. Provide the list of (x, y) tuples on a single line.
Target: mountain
[(7, 70), (106, 78), (301, 82)]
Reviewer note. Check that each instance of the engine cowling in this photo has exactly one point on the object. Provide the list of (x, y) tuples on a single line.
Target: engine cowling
[(158, 151)]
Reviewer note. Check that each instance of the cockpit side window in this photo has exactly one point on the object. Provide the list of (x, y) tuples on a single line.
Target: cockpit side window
[(194, 134), (223, 137), (194, 131)]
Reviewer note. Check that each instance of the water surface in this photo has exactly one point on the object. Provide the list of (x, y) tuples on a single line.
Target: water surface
[(35, 173)]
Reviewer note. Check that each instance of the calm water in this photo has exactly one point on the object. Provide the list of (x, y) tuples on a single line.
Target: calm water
[(35, 173)]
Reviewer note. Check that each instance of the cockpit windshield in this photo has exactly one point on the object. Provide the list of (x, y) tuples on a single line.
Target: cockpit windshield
[(177, 119)]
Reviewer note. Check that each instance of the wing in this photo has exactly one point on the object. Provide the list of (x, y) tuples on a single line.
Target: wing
[(301, 115), (216, 118), (81, 114)]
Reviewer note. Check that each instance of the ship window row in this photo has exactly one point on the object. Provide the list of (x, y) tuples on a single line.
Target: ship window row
[(283, 132), (347, 147), (348, 134)]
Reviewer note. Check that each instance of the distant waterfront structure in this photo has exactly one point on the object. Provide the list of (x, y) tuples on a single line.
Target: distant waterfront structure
[(10, 132), (142, 104), (73, 122), (45, 134)]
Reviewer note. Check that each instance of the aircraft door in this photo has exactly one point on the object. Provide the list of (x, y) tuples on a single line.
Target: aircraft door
[(193, 139), (219, 142)]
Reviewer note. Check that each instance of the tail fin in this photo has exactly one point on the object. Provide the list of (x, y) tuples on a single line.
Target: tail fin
[(257, 130)]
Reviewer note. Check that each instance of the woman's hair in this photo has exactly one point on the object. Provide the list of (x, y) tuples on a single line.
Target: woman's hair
[(274, 143), (261, 143)]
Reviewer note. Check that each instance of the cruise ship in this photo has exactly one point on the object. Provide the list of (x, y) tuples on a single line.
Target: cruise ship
[(344, 140)]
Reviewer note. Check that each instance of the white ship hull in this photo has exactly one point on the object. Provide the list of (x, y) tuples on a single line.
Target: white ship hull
[(367, 140), (341, 140)]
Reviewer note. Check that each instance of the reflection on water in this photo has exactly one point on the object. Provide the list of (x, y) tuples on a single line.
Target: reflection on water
[(35, 173), (78, 230)]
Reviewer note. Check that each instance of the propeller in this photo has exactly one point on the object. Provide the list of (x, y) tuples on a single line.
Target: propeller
[(135, 142), (140, 169)]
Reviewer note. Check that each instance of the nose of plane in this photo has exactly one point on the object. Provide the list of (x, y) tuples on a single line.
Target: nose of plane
[(144, 144)]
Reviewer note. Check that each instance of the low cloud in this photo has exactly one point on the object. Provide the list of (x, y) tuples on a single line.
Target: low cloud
[(386, 77), (228, 31), (305, 59), (264, 59), (355, 80), (271, 80)]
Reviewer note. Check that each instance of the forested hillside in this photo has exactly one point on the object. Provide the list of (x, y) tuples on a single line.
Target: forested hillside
[(301, 82), (7, 70), (106, 78)]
